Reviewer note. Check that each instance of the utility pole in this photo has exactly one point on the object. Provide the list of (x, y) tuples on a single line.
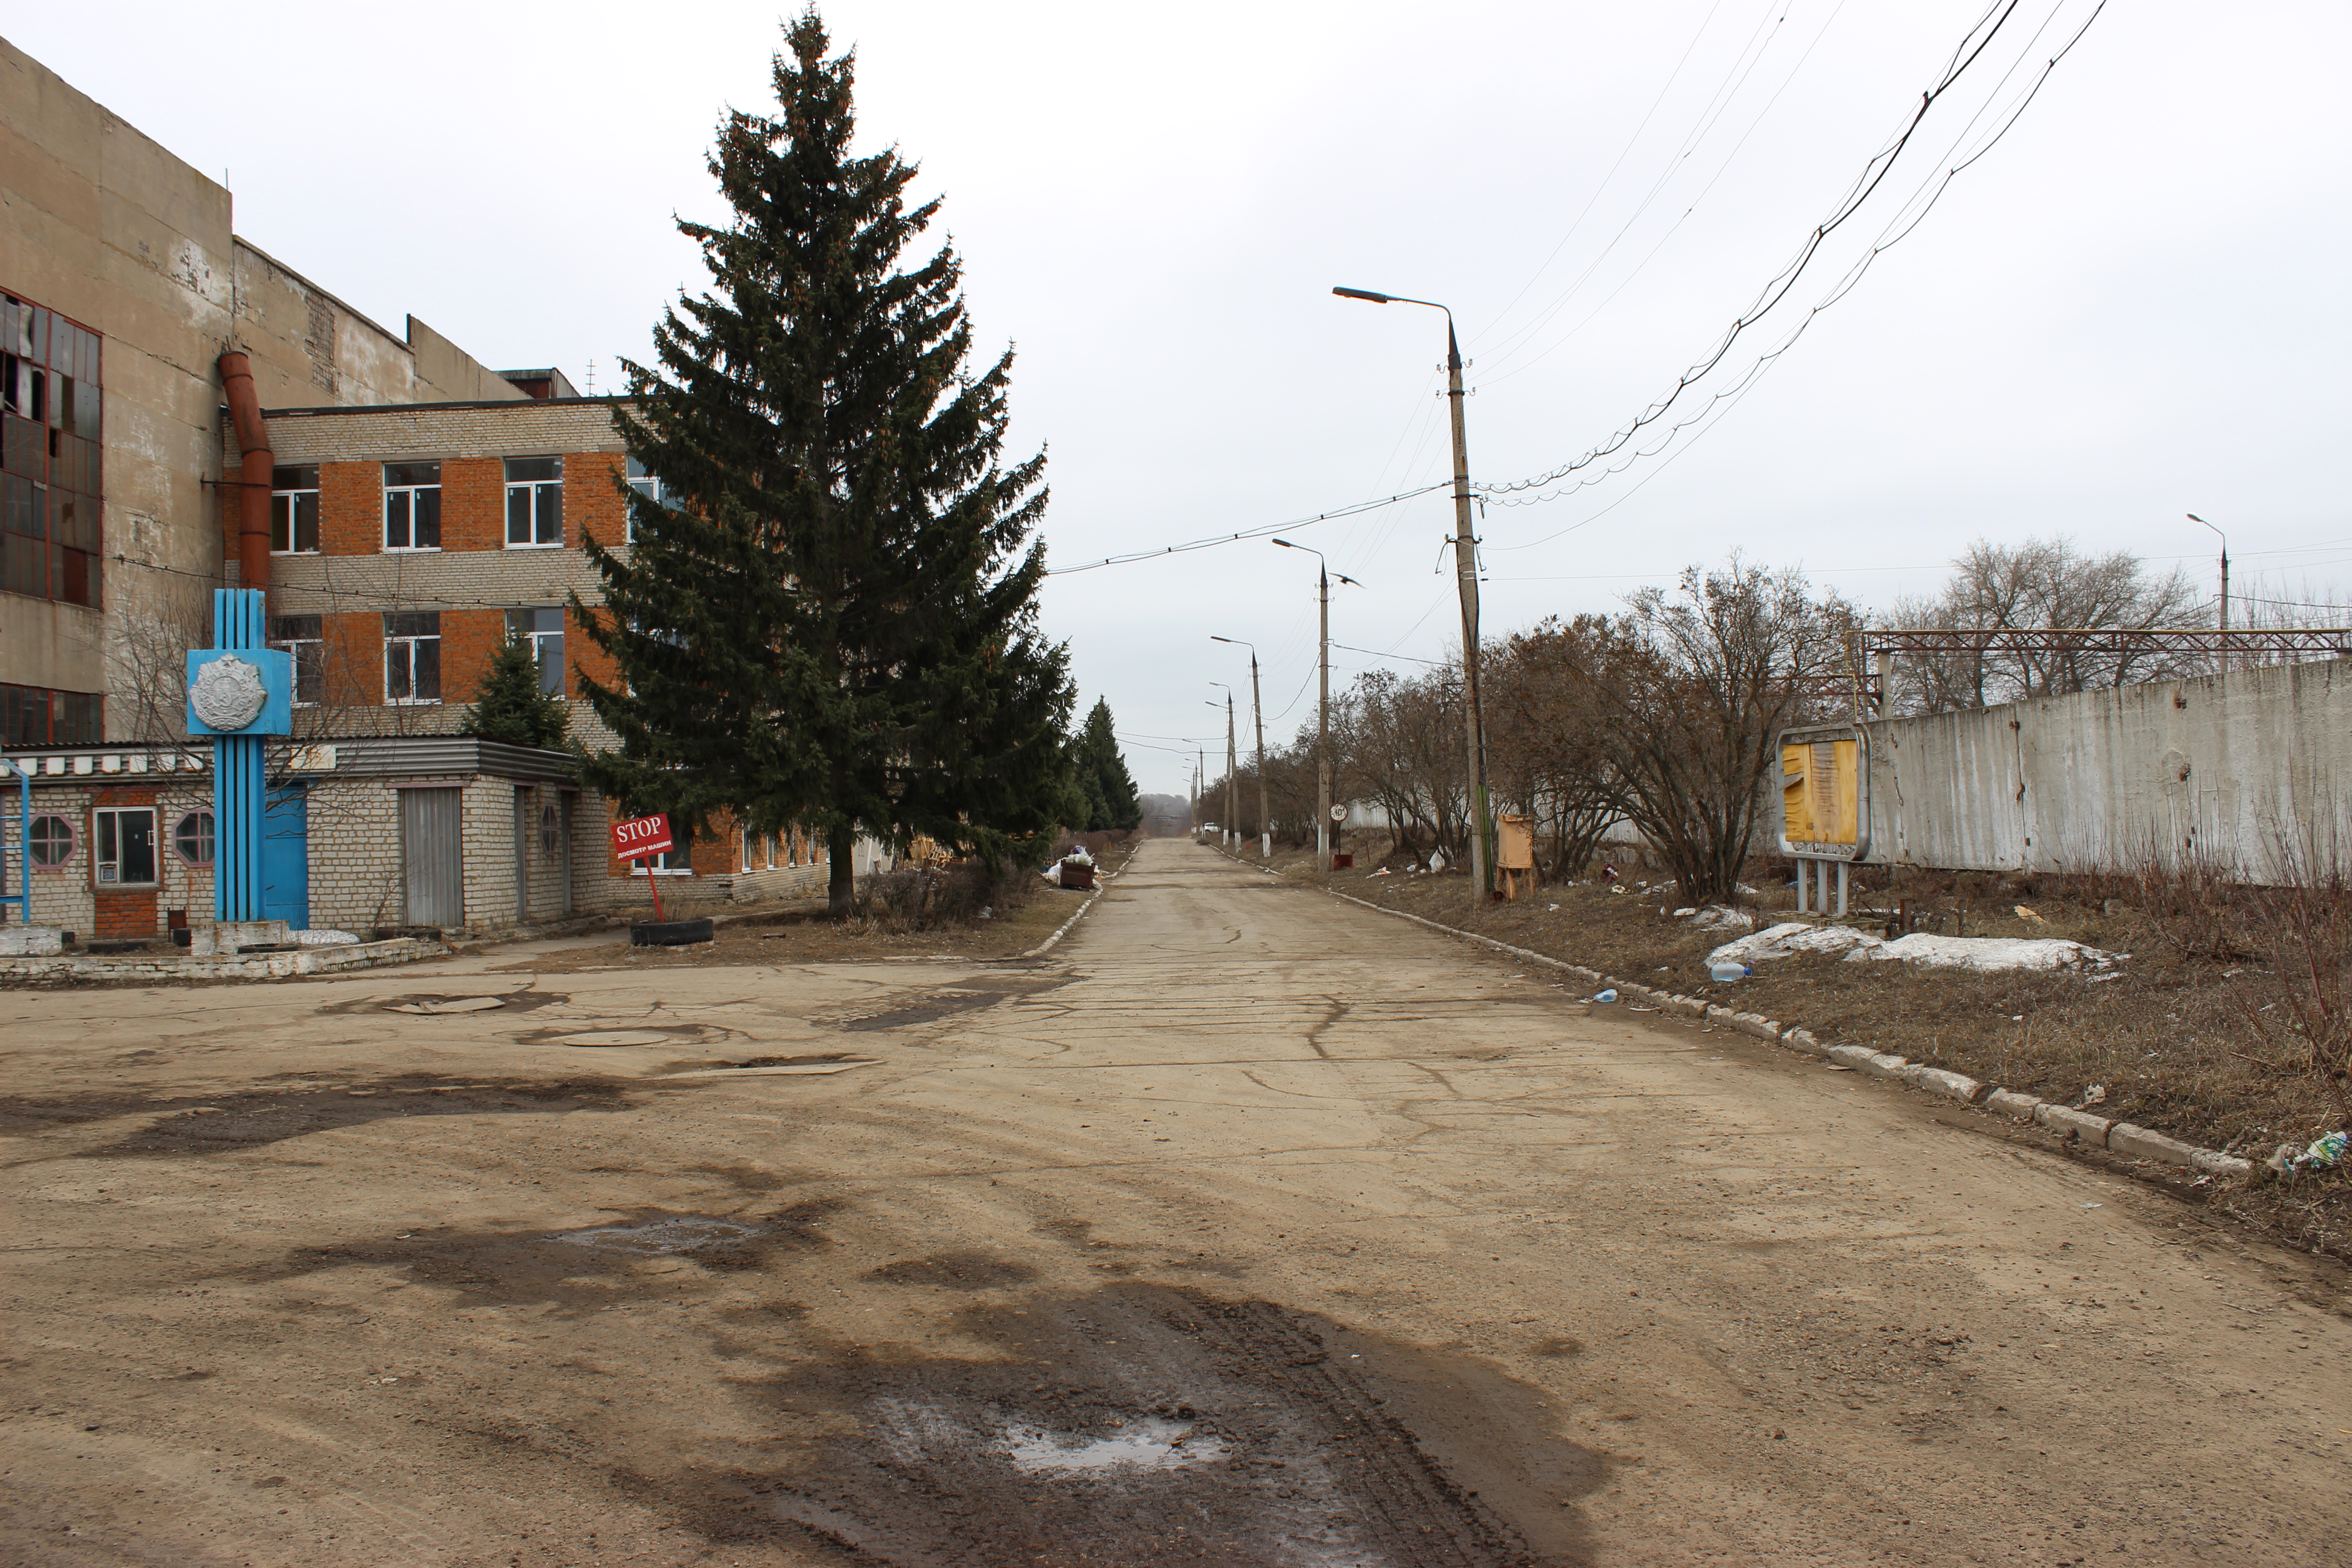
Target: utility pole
[(1232, 834), (2224, 660), (1257, 717), (1326, 835), (1465, 565)]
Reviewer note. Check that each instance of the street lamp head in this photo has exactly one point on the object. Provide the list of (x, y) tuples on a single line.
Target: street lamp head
[(1345, 578), (1213, 637), (1362, 294)]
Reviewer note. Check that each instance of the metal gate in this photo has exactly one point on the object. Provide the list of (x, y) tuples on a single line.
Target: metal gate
[(432, 851)]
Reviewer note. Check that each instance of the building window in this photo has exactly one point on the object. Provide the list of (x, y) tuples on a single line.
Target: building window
[(33, 716), (412, 506), (647, 484), (678, 861), (550, 831), (412, 657), (53, 841), (534, 502), (294, 509), (304, 637), (543, 629), (193, 837), (126, 846), (50, 455)]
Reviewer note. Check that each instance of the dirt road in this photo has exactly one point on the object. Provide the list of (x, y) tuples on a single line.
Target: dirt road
[(1248, 1228)]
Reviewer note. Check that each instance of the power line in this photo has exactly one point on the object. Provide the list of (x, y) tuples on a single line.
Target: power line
[(1875, 173), (1267, 532)]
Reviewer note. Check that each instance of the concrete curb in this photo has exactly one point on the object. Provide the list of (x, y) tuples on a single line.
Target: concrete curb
[(2134, 1143), (250, 966)]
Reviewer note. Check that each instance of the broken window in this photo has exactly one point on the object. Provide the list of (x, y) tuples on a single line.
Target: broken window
[(303, 636), (125, 854), (294, 509), (412, 506), (412, 657), (51, 461), (543, 629), (534, 502)]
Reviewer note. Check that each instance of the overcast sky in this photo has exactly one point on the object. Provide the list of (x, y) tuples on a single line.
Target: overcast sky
[(2130, 309)]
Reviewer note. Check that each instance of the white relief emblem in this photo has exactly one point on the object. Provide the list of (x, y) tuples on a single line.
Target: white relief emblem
[(228, 693)]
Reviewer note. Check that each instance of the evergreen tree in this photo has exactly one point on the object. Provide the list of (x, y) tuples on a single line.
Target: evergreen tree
[(829, 616), (1103, 778), (510, 706)]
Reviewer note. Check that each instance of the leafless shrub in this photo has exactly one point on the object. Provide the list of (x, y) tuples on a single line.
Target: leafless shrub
[(927, 897), (2303, 923)]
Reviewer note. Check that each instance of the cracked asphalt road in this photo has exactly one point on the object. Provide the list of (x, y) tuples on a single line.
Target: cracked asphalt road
[(1249, 1229)]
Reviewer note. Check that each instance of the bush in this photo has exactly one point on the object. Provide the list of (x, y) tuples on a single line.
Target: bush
[(927, 897)]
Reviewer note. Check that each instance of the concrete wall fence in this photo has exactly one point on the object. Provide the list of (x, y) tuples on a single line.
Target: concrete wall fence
[(2221, 770)]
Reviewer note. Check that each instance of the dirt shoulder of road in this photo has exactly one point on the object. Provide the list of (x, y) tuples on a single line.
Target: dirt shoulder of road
[(801, 931), (2166, 1039)]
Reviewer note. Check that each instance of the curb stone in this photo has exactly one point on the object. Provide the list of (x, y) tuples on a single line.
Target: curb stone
[(2137, 1142)]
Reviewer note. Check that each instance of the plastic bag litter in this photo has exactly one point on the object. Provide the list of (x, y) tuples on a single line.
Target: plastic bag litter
[(1054, 873), (1080, 856), (1610, 995), (2326, 1153)]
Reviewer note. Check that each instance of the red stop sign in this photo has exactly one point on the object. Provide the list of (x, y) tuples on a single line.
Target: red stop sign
[(641, 836)]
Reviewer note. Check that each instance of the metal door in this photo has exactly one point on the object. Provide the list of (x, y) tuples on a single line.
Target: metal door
[(563, 799), (432, 851), (523, 836), (286, 858)]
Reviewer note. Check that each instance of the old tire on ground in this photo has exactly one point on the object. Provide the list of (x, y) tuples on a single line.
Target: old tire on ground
[(670, 933)]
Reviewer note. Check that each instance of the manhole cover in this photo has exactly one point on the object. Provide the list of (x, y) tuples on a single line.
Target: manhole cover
[(449, 1004), (616, 1037)]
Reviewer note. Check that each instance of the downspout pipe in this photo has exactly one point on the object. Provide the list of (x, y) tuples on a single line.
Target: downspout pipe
[(253, 492)]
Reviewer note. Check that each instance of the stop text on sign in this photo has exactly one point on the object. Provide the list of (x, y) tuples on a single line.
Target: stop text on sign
[(641, 836)]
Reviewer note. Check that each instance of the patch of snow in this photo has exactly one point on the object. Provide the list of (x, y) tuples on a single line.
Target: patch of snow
[(1795, 936), (1984, 954), (1721, 917), (1147, 1443), (324, 938)]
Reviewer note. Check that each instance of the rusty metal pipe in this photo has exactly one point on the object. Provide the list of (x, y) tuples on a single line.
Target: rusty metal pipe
[(253, 496)]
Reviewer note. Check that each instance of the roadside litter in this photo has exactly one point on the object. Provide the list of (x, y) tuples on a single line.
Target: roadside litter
[(1727, 969), (2326, 1153), (1610, 995)]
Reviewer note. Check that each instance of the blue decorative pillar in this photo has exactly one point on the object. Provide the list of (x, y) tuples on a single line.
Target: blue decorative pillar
[(239, 692)]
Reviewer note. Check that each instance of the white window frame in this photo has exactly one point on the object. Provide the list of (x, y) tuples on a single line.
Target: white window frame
[(647, 484), (536, 495), (408, 641), (539, 640), (410, 491), (105, 817), (293, 508), (293, 646), (683, 853)]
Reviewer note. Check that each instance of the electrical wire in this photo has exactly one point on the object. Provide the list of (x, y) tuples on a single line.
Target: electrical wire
[(1875, 173), (1269, 530)]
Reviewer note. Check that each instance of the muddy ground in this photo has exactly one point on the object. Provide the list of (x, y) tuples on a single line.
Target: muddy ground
[(1249, 1229)]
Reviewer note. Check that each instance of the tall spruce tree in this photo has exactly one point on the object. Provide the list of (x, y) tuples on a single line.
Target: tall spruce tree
[(510, 704), (1108, 787), (828, 616)]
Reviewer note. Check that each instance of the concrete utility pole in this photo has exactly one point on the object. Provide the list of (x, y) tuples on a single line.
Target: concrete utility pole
[(1326, 836), (1257, 717), (1465, 565), (1233, 765)]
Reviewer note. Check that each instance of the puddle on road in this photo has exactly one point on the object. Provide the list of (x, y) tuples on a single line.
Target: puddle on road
[(1147, 1442), (687, 1233), (1142, 1423), (616, 1037)]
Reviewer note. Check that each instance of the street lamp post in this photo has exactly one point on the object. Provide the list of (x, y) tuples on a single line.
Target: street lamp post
[(1465, 566), (1257, 717), (1325, 840), (1232, 835), (2225, 569)]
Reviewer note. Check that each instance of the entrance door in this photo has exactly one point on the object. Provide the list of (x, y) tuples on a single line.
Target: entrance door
[(286, 858), (523, 837), (432, 853)]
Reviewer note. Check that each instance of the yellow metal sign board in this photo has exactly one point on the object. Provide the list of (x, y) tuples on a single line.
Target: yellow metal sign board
[(1825, 799)]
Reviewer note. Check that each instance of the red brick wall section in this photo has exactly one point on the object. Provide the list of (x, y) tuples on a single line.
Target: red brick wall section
[(125, 917), (469, 640), (350, 508), (592, 498), (474, 503)]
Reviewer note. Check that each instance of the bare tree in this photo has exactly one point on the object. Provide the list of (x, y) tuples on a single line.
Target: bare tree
[(2042, 586), (1700, 684), (1552, 751)]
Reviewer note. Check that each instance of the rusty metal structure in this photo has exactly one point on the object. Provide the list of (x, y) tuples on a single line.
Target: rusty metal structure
[(1871, 650)]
